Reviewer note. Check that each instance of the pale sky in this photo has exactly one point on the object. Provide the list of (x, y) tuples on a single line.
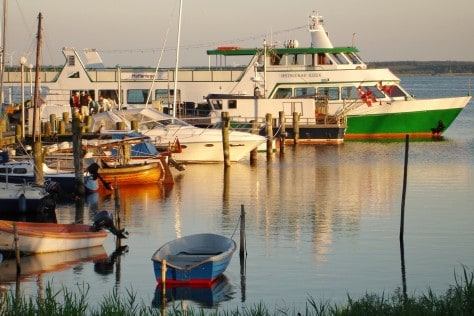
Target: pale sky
[(133, 32)]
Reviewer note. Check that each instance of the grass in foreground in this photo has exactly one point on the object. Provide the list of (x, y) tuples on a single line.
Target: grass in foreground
[(458, 300)]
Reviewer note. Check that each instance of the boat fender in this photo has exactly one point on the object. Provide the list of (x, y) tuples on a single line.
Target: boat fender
[(104, 219), (22, 203)]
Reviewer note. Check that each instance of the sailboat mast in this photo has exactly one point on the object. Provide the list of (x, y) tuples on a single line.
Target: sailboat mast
[(2, 49), (177, 61), (36, 109)]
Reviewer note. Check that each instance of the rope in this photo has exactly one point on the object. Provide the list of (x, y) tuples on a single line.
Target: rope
[(235, 229)]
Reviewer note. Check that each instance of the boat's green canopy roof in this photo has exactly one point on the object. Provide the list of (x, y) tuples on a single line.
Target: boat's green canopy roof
[(237, 51)]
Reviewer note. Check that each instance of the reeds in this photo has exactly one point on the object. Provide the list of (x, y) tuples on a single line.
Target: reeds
[(458, 300)]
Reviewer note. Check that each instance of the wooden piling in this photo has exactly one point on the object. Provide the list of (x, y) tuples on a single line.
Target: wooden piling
[(61, 128), (163, 287), (78, 156), (88, 123), (3, 125), (282, 131), (134, 125), (296, 128), (66, 116), (52, 121), (242, 231), (120, 126), (47, 129), (225, 137), (269, 134), (405, 171), (254, 152), (18, 133), (38, 156)]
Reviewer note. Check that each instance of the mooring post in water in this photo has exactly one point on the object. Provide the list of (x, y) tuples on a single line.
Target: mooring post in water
[(242, 231), (269, 133), (17, 249), (282, 131), (296, 128), (402, 217), (254, 152), (163, 287), (225, 137), (38, 156), (242, 253), (78, 157)]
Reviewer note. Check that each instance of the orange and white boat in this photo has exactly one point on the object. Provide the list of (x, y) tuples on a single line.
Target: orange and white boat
[(132, 174), (51, 237)]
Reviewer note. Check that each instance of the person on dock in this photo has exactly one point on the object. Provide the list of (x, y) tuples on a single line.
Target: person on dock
[(93, 106), (84, 101)]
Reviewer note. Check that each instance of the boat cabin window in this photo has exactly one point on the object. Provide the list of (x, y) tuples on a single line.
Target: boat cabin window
[(332, 93), (5, 170), (296, 59), (394, 91), (20, 171), (14, 170), (305, 92), (166, 96), (323, 60), (110, 95), (71, 60), (216, 104), (137, 96), (339, 59), (232, 104), (283, 93), (376, 92), (275, 59), (349, 93), (354, 58)]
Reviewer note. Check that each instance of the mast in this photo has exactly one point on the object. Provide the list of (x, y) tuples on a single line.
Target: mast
[(177, 60), (37, 146), (36, 109), (2, 49)]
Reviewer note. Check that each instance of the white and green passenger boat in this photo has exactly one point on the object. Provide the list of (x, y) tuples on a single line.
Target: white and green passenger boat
[(373, 100)]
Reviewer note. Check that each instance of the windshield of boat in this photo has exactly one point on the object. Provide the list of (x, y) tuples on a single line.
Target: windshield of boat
[(150, 118)]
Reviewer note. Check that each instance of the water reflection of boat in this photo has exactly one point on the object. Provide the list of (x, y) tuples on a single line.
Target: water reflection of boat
[(204, 295), (38, 264)]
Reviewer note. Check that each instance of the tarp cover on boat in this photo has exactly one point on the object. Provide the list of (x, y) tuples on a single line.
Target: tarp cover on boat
[(144, 148)]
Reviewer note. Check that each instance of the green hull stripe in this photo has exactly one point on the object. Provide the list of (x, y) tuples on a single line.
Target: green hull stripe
[(396, 123)]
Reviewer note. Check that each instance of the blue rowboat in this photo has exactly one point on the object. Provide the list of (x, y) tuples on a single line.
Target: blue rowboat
[(193, 259)]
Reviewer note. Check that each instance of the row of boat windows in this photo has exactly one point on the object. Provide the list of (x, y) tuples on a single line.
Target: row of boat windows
[(316, 59), (137, 96), (337, 93), (4, 170)]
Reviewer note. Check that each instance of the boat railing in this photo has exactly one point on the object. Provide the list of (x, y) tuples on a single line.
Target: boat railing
[(245, 123)]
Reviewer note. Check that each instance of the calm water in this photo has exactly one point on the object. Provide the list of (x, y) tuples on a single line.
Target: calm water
[(321, 221)]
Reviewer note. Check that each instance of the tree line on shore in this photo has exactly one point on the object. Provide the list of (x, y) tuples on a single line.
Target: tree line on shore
[(426, 67)]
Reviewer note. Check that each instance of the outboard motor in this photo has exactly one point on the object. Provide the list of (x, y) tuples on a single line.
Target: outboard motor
[(104, 220), (93, 169)]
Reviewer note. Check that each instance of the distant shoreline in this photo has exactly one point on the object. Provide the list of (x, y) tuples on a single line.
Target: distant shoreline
[(433, 68)]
